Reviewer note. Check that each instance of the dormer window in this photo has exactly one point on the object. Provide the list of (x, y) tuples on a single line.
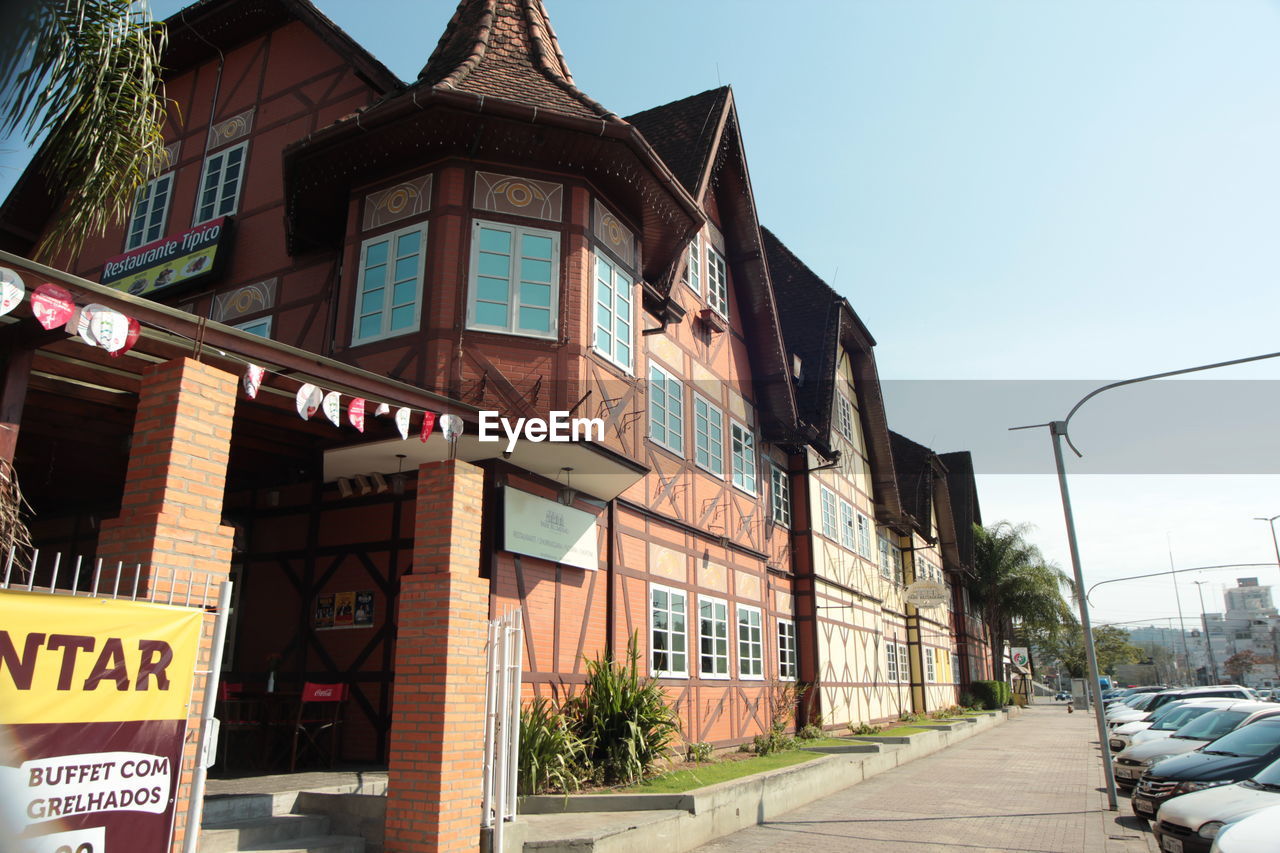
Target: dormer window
[(693, 268), (717, 283)]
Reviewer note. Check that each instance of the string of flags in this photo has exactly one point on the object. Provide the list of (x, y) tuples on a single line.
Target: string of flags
[(113, 331)]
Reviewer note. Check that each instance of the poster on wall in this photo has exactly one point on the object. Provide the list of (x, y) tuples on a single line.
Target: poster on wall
[(364, 609), (93, 714), (344, 614), (324, 611)]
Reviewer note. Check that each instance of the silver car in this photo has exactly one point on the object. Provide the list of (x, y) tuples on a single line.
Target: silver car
[(1188, 824), (1256, 833), (1165, 722)]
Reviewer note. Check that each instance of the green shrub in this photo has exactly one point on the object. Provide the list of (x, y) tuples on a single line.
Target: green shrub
[(863, 729), (622, 717), (776, 740), (991, 695), (699, 751), (551, 754), (967, 700), (810, 732), (908, 717)]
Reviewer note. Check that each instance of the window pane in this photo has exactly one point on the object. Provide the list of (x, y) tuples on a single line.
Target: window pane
[(409, 244), (488, 314), (535, 320), (491, 289), (407, 268), (371, 302), (370, 326), (376, 253), (404, 293), (531, 270), (536, 294), (495, 241), (402, 317), (495, 265), (536, 246)]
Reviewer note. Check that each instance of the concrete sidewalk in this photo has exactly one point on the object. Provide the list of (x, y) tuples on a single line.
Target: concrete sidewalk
[(1032, 785)]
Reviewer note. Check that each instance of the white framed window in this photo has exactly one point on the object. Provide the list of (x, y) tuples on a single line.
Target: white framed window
[(260, 326), (150, 210), (515, 280), (930, 673), (895, 559), (708, 436), (717, 283), (666, 410), (220, 183), (955, 668), (743, 448), (787, 668), (613, 312), (390, 281), (780, 495), (830, 528), (847, 533), (891, 661), (864, 536), (693, 267), (750, 642), (904, 663), (713, 637), (668, 631), (844, 416)]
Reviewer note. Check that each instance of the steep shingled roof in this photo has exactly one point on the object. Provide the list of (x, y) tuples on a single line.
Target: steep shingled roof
[(964, 501), (913, 465), (507, 49), (683, 133)]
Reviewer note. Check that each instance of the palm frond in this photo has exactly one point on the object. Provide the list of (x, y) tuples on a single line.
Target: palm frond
[(86, 79)]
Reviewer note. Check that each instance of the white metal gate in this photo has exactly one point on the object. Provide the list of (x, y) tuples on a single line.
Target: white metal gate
[(187, 588), (502, 723)]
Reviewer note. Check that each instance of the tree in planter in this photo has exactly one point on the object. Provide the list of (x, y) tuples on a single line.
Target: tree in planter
[(1015, 582)]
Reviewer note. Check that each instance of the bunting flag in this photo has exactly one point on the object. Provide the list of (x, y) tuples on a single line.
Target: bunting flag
[(383, 409), (130, 338), (332, 406), (253, 380), (52, 305), (428, 423), (308, 401), (402, 422), (451, 426), (12, 290), (109, 328), (355, 413)]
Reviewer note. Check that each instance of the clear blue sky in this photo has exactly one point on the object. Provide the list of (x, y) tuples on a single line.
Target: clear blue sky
[(1058, 189)]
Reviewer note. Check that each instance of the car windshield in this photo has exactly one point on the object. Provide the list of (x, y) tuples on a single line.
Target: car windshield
[(1269, 775), (1210, 726), (1165, 710), (1181, 715), (1141, 701), (1255, 739)]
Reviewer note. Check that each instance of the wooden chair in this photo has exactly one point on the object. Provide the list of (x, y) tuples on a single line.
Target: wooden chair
[(319, 713), (239, 717)]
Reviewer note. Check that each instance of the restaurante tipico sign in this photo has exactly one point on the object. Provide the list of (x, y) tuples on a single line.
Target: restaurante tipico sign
[(179, 259), (927, 593)]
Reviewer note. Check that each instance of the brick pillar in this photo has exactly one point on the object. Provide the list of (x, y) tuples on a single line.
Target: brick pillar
[(171, 513), (437, 722)]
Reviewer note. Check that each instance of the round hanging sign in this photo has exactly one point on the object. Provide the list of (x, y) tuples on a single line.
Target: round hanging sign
[(11, 290), (52, 305), (927, 593)]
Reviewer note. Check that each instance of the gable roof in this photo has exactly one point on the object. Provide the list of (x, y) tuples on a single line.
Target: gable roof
[(963, 489), (684, 132), (913, 465), (507, 49)]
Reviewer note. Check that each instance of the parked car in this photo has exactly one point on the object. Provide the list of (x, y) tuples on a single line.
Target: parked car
[(1133, 708), (1164, 722), (1189, 824), (1231, 758), (1131, 763), (1233, 691), (1063, 696), (1256, 833)]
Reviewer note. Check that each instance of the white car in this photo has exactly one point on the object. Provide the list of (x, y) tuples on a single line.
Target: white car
[(1192, 821), (1164, 722), (1130, 764), (1256, 833)]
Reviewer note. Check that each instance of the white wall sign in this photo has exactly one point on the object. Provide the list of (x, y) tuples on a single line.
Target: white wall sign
[(548, 530), (927, 593)]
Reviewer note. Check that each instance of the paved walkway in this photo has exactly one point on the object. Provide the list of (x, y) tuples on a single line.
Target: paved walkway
[(1032, 785)]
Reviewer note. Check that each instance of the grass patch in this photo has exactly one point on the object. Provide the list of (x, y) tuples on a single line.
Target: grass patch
[(679, 781), (900, 731)]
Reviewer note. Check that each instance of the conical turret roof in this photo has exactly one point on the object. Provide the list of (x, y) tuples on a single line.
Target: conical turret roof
[(507, 49)]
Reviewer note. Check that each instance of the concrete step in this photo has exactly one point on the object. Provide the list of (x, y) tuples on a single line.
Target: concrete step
[(223, 809), (240, 835), (312, 844)]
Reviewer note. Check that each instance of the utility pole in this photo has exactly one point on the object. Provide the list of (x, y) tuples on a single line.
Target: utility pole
[(1208, 644)]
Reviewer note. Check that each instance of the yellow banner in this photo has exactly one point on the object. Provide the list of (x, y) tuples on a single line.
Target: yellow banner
[(67, 659)]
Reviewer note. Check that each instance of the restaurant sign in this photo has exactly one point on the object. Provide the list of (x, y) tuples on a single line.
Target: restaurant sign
[(551, 531), (927, 593), (93, 715), (181, 259)]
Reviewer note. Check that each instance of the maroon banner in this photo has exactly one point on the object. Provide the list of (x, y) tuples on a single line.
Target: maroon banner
[(90, 787)]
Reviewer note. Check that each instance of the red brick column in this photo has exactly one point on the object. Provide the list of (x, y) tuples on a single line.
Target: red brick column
[(171, 513), (437, 728)]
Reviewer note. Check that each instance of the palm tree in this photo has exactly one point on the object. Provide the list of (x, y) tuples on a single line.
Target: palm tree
[(1015, 582), (84, 76)]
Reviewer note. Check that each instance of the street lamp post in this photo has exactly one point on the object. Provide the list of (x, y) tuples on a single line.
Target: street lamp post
[(1058, 432), (1208, 644), (1274, 541)]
